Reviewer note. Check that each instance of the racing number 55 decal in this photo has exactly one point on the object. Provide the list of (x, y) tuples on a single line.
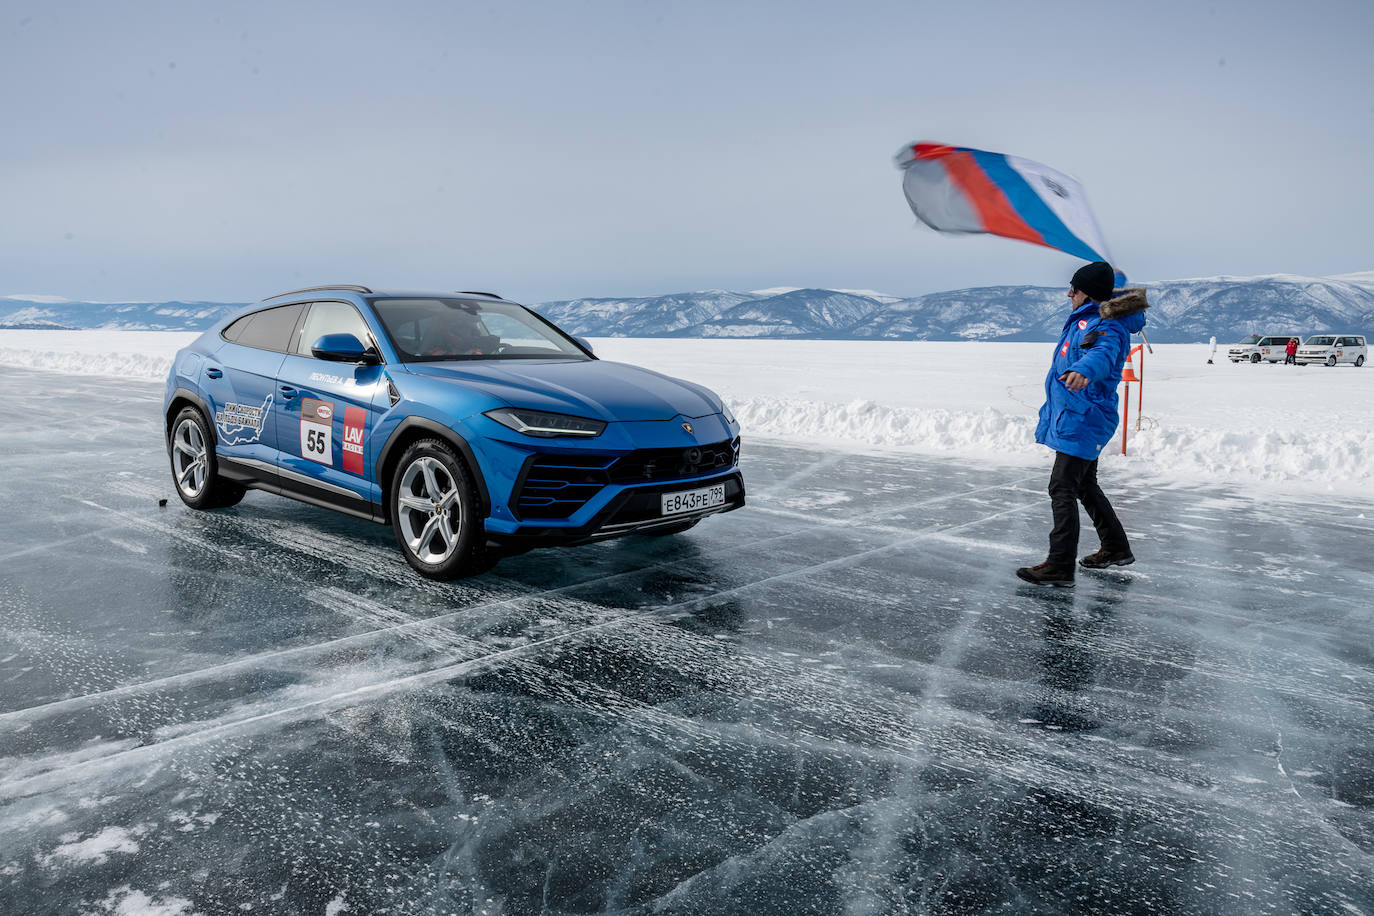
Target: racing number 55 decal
[(317, 430)]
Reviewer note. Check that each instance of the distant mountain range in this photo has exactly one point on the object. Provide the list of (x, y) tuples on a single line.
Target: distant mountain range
[(49, 312), (1183, 311)]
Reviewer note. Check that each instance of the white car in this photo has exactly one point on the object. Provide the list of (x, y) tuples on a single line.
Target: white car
[(1255, 348), (1331, 349)]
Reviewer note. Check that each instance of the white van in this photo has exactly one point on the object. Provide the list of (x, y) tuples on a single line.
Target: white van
[(1332, 349), (1255, 348)]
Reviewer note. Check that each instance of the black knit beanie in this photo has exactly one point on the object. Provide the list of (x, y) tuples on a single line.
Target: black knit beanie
[(1097, 280)]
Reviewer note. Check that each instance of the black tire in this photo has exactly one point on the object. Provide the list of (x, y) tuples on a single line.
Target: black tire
[(195, 469), (1331, 360), (434, 514), (1359, 361), (667, 530), (1254, 357)]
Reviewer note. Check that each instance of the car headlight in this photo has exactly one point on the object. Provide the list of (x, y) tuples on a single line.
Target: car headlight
[(543, 424), (725, 412)]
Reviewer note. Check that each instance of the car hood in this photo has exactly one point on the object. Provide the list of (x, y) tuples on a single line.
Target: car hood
[(590, 388)]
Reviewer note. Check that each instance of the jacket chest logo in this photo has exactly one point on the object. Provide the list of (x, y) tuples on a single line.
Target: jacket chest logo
[(1083, 324)]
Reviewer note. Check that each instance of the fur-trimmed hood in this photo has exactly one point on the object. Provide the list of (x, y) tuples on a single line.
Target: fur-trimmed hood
[(1125, 302)]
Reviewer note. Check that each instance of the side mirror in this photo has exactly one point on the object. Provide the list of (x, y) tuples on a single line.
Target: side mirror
[(585, 344), (344, 348)]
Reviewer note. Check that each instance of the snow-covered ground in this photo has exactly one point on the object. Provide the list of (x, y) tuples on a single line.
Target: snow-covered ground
[(1274, 428)]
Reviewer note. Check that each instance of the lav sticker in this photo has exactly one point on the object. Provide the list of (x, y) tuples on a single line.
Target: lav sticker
[(355, 420)]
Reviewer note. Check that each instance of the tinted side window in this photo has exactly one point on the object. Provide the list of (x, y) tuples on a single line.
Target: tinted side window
[(236, 328), (332, 318), (271, 328)]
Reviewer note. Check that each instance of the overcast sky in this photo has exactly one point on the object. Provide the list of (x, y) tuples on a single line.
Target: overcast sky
[(227, 151)]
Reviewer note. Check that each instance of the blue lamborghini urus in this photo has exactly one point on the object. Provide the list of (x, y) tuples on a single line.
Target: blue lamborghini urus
[(470, 424)]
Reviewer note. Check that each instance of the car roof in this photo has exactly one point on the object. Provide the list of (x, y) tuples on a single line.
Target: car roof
[(436, 294), (385, 293)]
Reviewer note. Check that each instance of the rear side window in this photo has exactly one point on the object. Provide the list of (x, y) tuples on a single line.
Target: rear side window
[(269, 329), (332, 318), (236, 328)]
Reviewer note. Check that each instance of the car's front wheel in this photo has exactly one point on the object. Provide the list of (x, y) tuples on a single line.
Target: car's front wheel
[(195, 470), (1254, 357), (1359, 361), (434, 512), (1331, 360)]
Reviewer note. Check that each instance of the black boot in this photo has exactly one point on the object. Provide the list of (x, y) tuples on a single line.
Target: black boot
[(1104, 558), (1047, 574)]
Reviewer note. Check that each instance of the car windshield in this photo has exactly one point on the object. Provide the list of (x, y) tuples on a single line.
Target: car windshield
[(1320, 341), (425, 329), (1252, 339)]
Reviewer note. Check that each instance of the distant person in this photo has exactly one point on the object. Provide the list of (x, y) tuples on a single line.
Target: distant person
[(1212, 353), (1291, 351), (1079, 417)]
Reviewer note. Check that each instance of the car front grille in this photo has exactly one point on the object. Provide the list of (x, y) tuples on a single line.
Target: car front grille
[(556, 486), (673, 463)]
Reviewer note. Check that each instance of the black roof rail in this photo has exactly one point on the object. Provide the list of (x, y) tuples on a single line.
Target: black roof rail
[(478, 292), (315, 289)]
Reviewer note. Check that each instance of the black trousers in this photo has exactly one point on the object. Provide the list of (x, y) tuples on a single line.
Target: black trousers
[(1072, 481)]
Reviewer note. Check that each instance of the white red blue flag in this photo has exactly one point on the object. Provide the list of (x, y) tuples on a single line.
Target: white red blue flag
[(958, 189)]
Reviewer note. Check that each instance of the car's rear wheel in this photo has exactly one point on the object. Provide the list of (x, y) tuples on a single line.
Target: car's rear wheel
[(195, 470), (1359, 361), (1331, 360), (434, 512)]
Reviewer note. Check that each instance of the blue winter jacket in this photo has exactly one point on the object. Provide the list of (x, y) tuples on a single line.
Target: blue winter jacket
[(1080, 423)]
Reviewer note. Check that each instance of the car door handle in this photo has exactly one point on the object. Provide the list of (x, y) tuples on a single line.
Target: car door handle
[(288, 392), (213, 372)]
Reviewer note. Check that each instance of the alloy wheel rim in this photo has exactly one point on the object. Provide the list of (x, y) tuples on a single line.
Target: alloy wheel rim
[(190, 459), (428, 509)]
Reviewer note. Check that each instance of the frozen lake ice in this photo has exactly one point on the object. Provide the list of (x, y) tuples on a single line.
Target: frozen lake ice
[(838, 699)]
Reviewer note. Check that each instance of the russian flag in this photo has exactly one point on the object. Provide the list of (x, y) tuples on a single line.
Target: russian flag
[(958, 189)]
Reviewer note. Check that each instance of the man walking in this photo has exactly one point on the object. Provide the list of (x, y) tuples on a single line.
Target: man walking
[(1290, 351), (1079, 417)]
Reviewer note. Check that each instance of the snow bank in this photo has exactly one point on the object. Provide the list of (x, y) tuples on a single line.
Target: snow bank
[(1280, 427), (127, 354), (1286, 428), (986, 434)]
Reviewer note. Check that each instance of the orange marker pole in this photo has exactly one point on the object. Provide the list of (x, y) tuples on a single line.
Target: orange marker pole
[(1125, 421), (1127, 376), (1140, 394)]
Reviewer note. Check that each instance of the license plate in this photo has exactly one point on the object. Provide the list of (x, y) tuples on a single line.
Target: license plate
[(693, 500)]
